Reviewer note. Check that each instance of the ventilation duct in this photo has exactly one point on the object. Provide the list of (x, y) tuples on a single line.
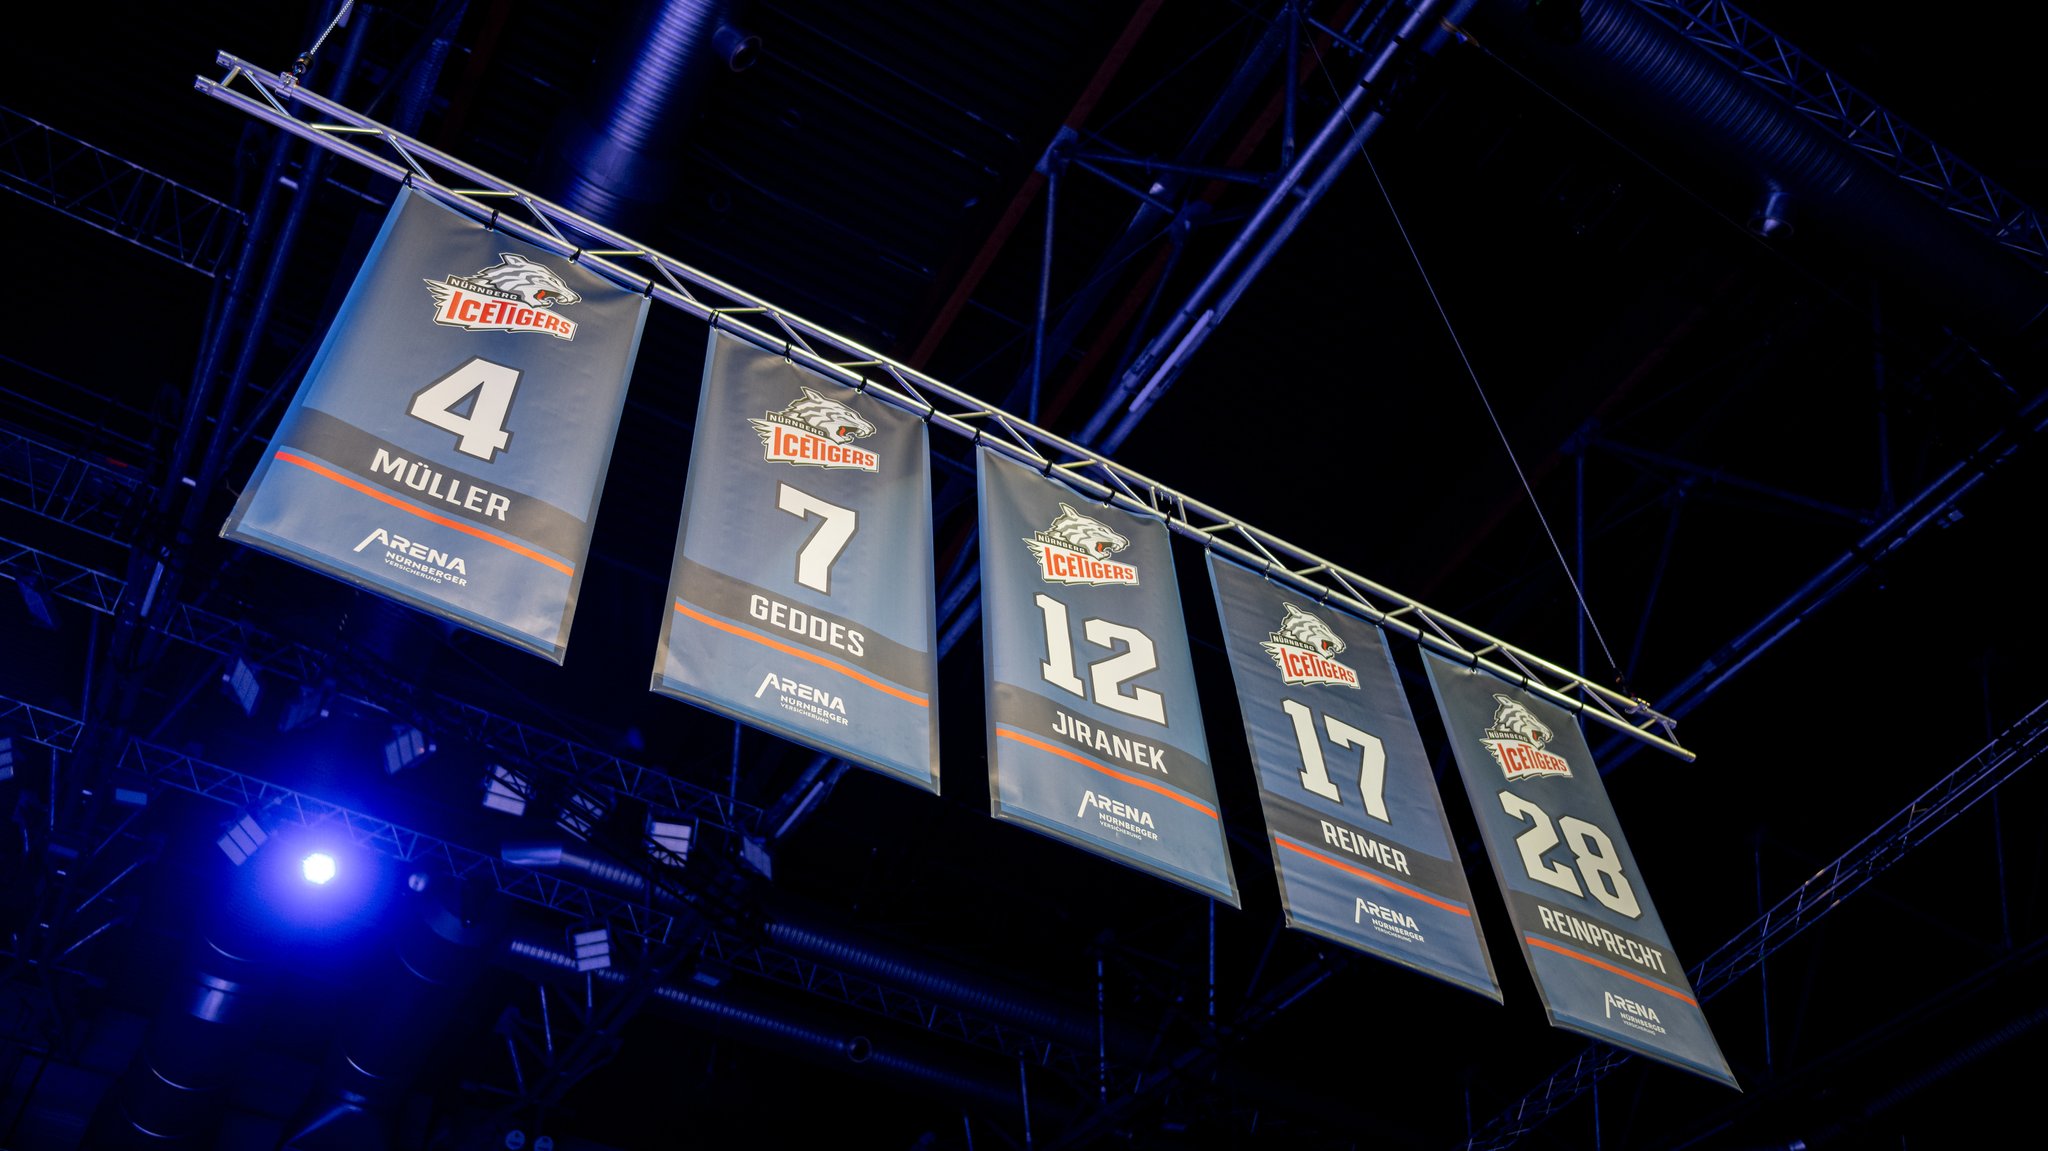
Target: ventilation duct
[(1627, 56), (624, 153)]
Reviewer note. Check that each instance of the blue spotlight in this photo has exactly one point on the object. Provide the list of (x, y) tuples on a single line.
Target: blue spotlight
[(319, 867)]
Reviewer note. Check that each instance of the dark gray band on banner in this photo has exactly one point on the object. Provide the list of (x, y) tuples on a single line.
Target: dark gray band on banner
[(1143, 755), (1602, 941), (1356, 846), (831, 635), (434, 484)]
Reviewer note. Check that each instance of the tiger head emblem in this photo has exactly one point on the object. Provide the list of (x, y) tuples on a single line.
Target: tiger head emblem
[(1073, 530), (1513, 721), (532, 283), (829, 418), (1304, 630)]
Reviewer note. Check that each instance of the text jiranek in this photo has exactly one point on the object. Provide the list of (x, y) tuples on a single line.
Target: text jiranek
[(1131, 751)]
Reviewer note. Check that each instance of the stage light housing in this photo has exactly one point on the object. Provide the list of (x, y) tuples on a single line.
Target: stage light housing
[(591, 947), (243, 838), (506, 790)]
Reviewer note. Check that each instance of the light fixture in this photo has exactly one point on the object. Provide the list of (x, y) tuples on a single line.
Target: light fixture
[(579, 814), (318, 867), (244, 686), (306, 705), (506, 790), (242, 838), (407, 747), (591, 947), (668, 837), (6, 758)]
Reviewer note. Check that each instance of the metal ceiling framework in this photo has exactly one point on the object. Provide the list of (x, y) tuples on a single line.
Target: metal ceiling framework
[(332, 126), (61, 488)]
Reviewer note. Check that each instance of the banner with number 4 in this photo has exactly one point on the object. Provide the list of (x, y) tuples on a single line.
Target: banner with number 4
[(447, 446)]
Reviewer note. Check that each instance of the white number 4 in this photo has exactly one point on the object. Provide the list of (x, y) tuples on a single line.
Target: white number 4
[(481, 432)]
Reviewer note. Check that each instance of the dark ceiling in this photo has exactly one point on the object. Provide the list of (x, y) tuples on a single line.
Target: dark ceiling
[(1726, 425)]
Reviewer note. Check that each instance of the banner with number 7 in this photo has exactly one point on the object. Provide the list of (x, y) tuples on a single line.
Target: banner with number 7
[(800, 599)]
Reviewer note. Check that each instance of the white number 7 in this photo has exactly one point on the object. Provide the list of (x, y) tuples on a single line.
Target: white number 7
[(814, 561)]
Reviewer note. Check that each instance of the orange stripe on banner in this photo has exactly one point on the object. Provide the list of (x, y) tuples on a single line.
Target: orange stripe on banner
[(1568, 953), (1382, 880), (1111, 772), (386, 497), (787, 649)]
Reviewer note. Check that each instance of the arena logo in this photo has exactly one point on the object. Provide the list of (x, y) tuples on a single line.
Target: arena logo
[(816, 432), (418, 559), (1516, 738), (807, 700), (1072, 550), (514, 295), (1302, 650)]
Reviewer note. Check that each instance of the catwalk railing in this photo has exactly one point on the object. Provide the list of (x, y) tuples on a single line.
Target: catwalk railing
[(273, 98)]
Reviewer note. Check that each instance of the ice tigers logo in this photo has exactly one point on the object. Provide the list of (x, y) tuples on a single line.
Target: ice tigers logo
[(525, 280), (815, 431), (1303, 649), (513, 295), (1516, 738), (1071, 551), (1079, 533)]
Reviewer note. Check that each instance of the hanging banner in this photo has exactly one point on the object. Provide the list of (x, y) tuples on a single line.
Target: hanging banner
[(1360, 845), (1095, 734), (1598, 950), (800, 600), (447, 446)]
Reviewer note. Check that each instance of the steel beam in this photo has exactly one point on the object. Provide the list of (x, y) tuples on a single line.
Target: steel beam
[(263, 94)]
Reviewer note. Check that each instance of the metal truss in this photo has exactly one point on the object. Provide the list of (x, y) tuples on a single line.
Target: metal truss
[(114, 195), (275, 99), (1938, 806), (890, 1003), (284, 806), (53, 730), (1732, 36), (59, 486), (652, 926), (53, 575)]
